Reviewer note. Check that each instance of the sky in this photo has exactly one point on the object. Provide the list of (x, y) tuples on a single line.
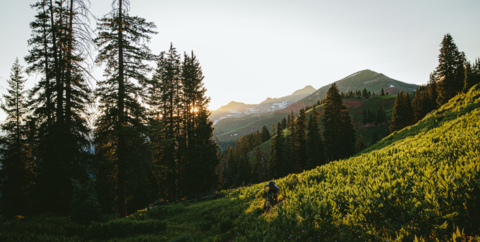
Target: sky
[(253, 49)]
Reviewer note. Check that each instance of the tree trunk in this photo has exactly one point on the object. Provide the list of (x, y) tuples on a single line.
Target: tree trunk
[(122, 206)]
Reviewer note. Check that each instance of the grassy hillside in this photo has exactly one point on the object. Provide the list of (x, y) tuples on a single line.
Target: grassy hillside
[(423, 184), (250, 123)]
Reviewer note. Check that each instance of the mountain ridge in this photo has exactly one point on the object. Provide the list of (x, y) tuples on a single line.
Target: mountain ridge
[(236, 109), (229, 127)]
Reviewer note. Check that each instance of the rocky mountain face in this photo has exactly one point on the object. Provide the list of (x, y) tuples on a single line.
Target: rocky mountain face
[(238, 109)]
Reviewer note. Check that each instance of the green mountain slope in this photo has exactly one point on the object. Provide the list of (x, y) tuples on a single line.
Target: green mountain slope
[(355, 108), (368, 79)]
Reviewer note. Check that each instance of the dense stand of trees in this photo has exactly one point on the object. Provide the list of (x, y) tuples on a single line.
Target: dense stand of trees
[(454, 74), (297, 144), (151, 137)]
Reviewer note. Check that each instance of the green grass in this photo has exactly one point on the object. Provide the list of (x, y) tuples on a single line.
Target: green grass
[(252, 125), (457, 107)]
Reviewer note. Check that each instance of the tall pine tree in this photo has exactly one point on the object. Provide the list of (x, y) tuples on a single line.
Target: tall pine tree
[(300, 148), (339, 131), (450, 70), (315, 148), (398, 120), (409, 114), (16, 173), (120, 129)]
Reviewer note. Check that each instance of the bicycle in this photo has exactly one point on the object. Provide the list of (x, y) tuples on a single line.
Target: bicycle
[(269, 202)]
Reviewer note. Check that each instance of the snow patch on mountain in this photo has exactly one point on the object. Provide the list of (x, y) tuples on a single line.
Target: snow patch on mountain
[(280, 105), (251, 110)]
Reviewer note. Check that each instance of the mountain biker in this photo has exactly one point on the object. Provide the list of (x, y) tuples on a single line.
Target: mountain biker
[(272, 188)]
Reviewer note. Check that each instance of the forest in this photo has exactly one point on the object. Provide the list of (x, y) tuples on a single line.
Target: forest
[(82, 163)]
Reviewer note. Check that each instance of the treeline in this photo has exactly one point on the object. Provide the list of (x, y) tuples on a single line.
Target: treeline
[(349, 95), (454, 75), (297, 143), (151, 136), (375, 117), (358, 94)]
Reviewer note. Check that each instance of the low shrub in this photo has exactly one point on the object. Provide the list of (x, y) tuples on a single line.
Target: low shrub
[(226, 224), (204, 225), (162, 212), (125, 227), (183, 238)]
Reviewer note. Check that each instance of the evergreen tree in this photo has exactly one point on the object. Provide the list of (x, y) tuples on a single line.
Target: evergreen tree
[(291, 122), (315, 149), (60, 43), (365, 116), (360, 144), (432, 91), (398, 120), (244, 168), (382, 92), (199, 151), (417, 105), (476, 71), (232, 166), (272, 130), (265, 134), (16, 173), (409, 114), (284, 123), (380, 116), (300, 141), (121, 40), (450, 70), (289, 153), (375, 138), (277, 162), (469, 78), (257, 166), (207, 154), (339, 132)]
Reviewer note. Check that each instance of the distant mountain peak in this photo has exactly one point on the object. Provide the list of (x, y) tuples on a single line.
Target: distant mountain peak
[(306, 90)]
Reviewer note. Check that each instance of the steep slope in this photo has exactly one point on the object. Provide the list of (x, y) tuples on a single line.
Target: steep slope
[(355, 106), (238, 109)]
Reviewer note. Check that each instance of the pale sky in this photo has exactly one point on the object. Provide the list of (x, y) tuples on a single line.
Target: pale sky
[(253, 49)]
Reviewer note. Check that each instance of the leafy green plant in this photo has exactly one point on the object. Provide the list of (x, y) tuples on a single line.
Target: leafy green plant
[(124, 227)]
